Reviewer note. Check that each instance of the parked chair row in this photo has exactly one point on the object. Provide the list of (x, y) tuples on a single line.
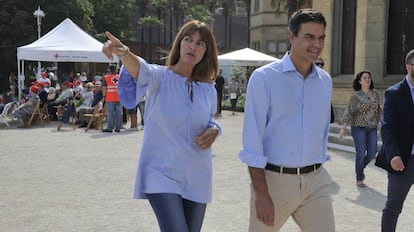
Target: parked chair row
[(6, 115), (97, 116), (40, 113), (66, 113)]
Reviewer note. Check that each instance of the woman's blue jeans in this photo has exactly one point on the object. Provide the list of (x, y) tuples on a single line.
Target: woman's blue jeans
[(365, 140), (233, 103), (176, 214)]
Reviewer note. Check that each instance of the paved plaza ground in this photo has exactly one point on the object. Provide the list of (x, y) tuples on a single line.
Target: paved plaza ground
[(70, 180)]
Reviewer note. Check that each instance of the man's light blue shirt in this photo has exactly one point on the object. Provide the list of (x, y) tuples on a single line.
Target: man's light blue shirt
[(287, 116), (412, 98)]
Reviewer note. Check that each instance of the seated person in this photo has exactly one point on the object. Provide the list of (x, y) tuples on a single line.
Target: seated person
[(26, 109), (78, 89), (42, 92), (83, 121), (51, 95), (97, 92), (44, 78), (64, 97), (86, 97), (8, 98)]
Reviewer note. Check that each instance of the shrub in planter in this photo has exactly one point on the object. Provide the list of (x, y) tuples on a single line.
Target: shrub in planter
[(240, 103)]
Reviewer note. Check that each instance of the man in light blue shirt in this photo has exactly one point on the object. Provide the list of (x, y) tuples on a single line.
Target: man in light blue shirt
[(287, 116)]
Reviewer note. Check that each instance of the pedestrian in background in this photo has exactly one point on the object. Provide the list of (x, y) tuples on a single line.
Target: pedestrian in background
[(321, 63), (133, 115), (220, 82), (175, 167), (234, 91), (141, 107), (396, 154), (363, 114), (110, 95), (285, 134)]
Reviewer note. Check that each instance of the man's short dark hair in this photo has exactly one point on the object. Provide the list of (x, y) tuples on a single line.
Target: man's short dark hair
[(304, 16), (409, 57), (112, 68)]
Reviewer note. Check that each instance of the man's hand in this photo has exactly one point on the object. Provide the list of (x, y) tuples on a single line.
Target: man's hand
[(265, 209), (205, 138), (263, 202), (397, 164)]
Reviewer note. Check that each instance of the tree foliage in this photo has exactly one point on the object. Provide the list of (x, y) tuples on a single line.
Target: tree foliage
[(201, 13), (18, 26), (114, 16)]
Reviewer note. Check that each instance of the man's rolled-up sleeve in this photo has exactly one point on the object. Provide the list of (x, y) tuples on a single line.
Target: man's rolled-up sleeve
[(256, 110)]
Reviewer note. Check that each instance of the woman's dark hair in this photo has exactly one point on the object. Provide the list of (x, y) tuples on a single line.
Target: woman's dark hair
[(356, 85), (208, 66), (305, 16)]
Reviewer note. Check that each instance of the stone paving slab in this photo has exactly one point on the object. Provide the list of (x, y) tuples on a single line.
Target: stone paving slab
[(70, 180)]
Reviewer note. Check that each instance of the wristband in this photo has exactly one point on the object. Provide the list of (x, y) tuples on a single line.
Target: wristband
[(125, 54)]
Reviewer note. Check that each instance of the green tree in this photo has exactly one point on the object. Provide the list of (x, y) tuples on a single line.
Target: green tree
[(200, 12), (228, 8), (177, 8), (212, 5), (79, 11), (161, 8), (181, 8), (18, 26), (150, 21), (114, 16), (143, 6)]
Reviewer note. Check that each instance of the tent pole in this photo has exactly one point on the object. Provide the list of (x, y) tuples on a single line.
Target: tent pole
[(23, 77), (39, 71), (19, 90)]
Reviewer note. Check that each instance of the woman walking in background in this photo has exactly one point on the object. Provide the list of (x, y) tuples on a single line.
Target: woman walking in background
[(363, 114), (234, 91)]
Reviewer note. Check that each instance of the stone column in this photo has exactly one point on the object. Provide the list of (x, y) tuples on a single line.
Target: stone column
[(326, 7), (370, 37)]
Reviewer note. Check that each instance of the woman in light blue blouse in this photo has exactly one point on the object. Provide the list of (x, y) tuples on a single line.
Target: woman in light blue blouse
[(175, 168)]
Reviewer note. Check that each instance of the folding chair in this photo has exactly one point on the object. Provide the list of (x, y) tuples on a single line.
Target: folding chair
[(5, 116), (45, 112), (97, 115), (36, 112), (62, 110)]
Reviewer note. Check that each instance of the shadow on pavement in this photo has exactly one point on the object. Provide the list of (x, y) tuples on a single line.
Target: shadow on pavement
[(369, 198)]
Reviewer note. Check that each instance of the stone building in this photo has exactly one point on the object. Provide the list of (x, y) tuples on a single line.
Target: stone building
[(361, 35)]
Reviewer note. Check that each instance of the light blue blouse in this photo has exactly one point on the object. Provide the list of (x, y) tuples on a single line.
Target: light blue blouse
[(286, 116), (169, 161)]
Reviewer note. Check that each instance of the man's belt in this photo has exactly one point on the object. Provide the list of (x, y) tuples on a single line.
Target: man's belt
[(297, 171)]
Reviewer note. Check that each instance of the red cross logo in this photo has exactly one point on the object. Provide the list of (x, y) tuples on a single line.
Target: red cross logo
[(114, 80), (56, 56)]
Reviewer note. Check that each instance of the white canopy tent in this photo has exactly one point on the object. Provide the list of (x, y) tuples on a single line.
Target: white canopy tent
[(245, 57), (67, 42)]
